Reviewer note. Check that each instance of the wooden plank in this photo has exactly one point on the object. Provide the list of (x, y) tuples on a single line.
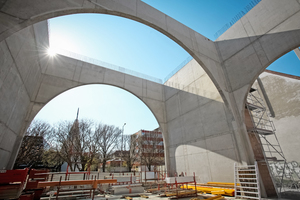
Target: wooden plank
[(11, 191), (81, 182), (181, 193)]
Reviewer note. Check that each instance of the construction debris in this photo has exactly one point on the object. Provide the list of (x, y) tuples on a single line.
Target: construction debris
[(157, 190)]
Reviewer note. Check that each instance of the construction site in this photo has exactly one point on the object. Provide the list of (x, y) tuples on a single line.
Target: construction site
[(229, 126), (42, 184)]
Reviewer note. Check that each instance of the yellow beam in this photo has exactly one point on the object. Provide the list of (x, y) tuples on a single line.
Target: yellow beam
[(227, 191)]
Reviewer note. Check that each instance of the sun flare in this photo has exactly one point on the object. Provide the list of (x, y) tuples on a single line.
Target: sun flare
[(51, 52)]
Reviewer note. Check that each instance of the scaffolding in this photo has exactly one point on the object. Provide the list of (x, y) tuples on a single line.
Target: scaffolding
[(267, 151)]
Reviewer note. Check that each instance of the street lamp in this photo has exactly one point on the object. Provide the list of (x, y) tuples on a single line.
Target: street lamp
[(122, 146)]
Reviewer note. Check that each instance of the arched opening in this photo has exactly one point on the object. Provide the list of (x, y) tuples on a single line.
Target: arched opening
[(109, 104), (101, 106), (117, 41)]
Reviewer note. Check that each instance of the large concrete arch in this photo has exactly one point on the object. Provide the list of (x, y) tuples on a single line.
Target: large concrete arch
[(31, 79), (35, 78), (233, 62), (254, 34), (263, 35), (20, 14), (64, 73)]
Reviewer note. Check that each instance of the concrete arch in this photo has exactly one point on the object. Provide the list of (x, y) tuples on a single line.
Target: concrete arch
[(233, 62), (36, 111), (267, 32), (202, 49), (30, 79), (267, 65), (63, 73), (256, 40)]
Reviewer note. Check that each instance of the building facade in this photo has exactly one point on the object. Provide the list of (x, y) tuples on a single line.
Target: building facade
[(149, 148)]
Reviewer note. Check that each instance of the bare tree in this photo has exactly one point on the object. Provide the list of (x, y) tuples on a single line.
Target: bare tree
[(131, 154), (86, 144), (151, 149), (35, 141), (76, 143), (107, 138)]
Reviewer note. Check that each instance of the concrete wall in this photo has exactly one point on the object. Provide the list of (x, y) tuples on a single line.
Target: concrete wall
[(201, 138), (19, 82), (193, 79), (190, 147), (284, 95)]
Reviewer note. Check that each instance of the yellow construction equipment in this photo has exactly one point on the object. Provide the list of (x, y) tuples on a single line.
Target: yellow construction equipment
[(218, 192), (219, 183), (212, 190)]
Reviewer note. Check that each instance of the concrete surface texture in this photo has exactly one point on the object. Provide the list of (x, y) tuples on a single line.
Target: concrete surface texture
[(297, 52), (203, 131)]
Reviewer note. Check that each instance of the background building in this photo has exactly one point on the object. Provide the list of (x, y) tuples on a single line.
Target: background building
[(149, 149)]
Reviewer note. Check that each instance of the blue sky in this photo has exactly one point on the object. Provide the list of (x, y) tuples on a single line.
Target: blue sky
[(137, 47)]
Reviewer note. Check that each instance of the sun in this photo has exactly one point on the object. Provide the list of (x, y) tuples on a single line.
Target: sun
[(51, 51)]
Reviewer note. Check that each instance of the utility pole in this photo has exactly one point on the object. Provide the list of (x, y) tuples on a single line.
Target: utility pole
[(122, 147)]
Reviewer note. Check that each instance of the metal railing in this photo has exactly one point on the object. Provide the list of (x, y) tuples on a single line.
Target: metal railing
[(236, 18), (106, 65), (179, 67)]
